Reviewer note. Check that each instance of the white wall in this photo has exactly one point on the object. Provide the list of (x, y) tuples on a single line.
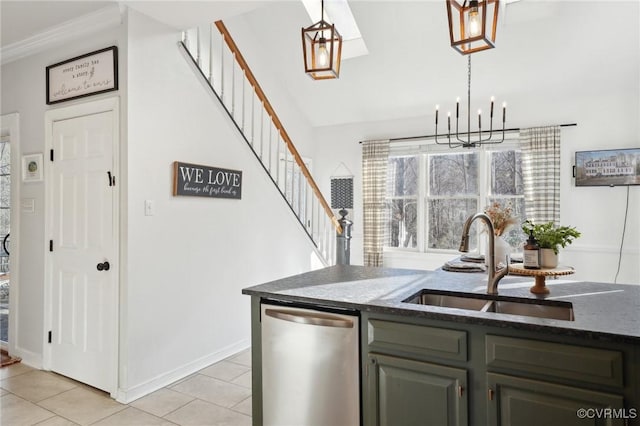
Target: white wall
[(604, 121), (182, 270), (187, 264), (23, 91)]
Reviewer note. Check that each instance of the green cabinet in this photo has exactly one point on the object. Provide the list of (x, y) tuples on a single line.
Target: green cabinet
[(407, 379), (407, 392), (419, 371), (550, 383), (522, 402)]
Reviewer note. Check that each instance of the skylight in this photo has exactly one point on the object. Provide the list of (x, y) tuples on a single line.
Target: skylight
[(339, 13)]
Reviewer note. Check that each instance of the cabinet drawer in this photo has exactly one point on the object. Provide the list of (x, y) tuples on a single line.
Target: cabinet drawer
[(387, 336), (587, 365)]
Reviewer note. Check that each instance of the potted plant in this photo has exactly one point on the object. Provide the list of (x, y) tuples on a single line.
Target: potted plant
[(550, 238)]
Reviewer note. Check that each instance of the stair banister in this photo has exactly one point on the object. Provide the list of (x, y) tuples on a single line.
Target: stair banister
[(302, 197), (274, 117)]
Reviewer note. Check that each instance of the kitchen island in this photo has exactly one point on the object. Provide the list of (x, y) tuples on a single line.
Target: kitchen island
[(421, 363)]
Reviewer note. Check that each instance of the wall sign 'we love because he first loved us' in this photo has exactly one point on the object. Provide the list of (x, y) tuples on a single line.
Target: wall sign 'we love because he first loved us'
[(205, 181)]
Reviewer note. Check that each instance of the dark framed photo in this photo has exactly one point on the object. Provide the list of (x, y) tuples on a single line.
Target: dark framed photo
[(610, 167), (85, 75)]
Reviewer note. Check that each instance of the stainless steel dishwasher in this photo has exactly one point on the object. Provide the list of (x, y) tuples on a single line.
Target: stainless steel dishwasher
[(310, 373)]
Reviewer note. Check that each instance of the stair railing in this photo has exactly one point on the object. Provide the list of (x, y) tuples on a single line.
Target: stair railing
[(225, 70)]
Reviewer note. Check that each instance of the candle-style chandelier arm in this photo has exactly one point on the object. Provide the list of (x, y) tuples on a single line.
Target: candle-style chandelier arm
[(448, 142), (465, 139)]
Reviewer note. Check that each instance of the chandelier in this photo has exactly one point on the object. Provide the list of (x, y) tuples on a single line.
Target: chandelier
[(466, 139), (322, 49)]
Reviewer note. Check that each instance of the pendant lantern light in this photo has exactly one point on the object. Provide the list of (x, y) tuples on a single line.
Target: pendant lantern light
[(472, 24), (322, 49)]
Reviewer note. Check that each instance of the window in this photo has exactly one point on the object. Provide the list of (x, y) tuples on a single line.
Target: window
[(506, 187), (5, 201), (453, 194), (431, 193), (402, 202)]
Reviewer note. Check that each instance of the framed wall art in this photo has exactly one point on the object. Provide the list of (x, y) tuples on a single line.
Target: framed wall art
[(85, 75), (205, 181), (32, 168)]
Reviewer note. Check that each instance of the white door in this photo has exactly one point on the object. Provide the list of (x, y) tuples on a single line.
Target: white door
[(83, 277)]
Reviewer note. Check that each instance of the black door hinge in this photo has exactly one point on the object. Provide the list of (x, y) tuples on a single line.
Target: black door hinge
[(49, 336), (51, 155), (112, 179), (50, 245)]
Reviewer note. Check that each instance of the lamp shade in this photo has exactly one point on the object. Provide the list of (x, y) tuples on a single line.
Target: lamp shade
[(322, 49), (472, 24)]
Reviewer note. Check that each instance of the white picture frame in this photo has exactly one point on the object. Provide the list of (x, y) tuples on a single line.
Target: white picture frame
[(32, 167)]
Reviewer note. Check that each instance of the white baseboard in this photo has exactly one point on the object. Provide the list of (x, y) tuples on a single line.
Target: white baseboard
[(32, 359), (125, 396)]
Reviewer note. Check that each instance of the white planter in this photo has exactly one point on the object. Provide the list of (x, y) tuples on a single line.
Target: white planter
[(548, 258)]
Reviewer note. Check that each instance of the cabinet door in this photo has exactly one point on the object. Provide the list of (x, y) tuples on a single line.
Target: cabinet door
[(522, 402), (406, 392)]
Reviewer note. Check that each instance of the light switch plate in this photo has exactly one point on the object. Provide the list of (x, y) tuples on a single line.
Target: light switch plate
[(28, 205), (149, 208)]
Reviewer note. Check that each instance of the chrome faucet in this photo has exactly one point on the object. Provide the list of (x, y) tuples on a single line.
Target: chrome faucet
[(493, 275)]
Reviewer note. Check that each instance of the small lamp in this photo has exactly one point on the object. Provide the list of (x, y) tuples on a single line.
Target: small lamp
[(472, 24), (322, 49)]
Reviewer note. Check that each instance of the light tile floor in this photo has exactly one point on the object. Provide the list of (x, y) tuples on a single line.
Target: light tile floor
[(216, 395)]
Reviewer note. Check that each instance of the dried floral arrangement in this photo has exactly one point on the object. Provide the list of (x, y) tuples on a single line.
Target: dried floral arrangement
[(501, 216)]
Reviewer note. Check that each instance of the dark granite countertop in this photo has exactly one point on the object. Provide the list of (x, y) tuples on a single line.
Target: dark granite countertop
[(602, 311)]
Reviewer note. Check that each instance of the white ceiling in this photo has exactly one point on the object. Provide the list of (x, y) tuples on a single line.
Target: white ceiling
[(21, 19), (553, 49), (546, 51), (24, 18)]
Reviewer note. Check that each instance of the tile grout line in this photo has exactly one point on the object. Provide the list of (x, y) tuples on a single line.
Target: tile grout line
[(213, 403), (123, 407)]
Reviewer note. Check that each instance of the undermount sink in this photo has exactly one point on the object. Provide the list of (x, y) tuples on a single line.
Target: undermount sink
[(551, 309), (536, 309), (447, 301)]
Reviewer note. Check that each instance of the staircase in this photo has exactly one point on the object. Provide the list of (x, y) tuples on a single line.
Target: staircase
[(215, 56)]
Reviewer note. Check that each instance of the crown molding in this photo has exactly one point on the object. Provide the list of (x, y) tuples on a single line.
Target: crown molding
[(100, 20)]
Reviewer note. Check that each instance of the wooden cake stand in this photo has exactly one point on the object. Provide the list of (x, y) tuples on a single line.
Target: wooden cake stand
[(540, 275)]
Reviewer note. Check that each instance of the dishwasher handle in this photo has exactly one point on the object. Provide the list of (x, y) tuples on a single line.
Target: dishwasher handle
[(310, 318)]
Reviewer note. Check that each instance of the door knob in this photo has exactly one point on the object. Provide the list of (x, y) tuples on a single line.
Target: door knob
[(103, 266)]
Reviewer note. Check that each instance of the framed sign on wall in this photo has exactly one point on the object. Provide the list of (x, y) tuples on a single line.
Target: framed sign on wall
[(205, 181), (85, 75)]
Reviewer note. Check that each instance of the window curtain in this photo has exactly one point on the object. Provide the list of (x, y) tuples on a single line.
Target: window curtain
[(541, 173), (375, 155)]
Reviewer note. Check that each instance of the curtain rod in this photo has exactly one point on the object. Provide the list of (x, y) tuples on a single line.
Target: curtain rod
[(514, 129)]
